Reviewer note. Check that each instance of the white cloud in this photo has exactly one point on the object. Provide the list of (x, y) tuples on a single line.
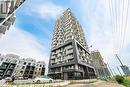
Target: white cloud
[(24, 44), (46, 10), (96, 15)]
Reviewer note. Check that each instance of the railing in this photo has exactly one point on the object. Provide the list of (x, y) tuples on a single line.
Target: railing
[(3, 67)]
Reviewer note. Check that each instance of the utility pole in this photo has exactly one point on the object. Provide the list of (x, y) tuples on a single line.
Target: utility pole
[(123, 67), (119, 59)]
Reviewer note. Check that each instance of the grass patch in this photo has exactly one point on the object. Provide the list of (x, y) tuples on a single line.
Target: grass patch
[(123, 80), (119, 79), (107, 79), (126, 82)]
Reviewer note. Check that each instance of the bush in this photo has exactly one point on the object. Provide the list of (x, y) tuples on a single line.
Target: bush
[(119, 79), (127, 82), (104, 79)]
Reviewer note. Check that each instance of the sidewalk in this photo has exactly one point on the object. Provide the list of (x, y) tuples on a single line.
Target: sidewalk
[(106, 84), (97, 84)]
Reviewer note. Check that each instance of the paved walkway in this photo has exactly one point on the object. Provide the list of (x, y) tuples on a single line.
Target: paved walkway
[(97, 84)]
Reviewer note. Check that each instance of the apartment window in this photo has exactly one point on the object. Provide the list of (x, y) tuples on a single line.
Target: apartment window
[(36, 68), (4, 65), (8, 72), (6, 60), (29, 63), (12, 66), (21, 72), (69, 60), (15, 61), (17, 65), (24, 63), (2, 59), (23, 67), (20, 61), (40, 65), (1, 70)]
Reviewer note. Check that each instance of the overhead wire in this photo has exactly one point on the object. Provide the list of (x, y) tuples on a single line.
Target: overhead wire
[(126, 22), (119, 12), (118, 23), (113, 23), (116, 40), (122, 22)]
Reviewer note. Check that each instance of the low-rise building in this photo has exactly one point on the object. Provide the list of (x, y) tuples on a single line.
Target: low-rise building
[(30, 68), (13, 65), (7, 65)]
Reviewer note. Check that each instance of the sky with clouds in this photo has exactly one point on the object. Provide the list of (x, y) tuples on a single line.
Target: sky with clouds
[(31, 34)]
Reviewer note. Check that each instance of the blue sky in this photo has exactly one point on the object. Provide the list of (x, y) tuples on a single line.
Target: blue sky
[(31, 34)]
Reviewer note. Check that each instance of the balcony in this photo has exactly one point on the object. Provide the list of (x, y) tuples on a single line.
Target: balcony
[(70, 57), (53, 53), (52, 61), (12, 19), (68, 69), (59, 55), (70, 60), (54, 72), (72, 69), (7, 24), (18, 3), (9, 74), (69, 51), (53, 57), (12, 67), (1, 73), (3, 29), (69, 47), (3, 67)]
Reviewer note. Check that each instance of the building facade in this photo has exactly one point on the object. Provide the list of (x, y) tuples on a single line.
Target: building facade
[(100, 66), (13, 65), (69, 58), (7, 65), (7, 13), (29, 68)]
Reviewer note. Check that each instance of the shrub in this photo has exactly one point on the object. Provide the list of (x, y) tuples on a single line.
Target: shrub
[(119, 79), (104, 79), (127, 82)]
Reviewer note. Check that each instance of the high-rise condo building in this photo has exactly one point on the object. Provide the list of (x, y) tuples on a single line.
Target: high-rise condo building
[(100, 66), (7, 13), (69, 58)]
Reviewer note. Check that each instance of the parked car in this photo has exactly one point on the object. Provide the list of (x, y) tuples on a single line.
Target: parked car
[(2, 81), (8, 79), (20, 80), (42, 79)]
